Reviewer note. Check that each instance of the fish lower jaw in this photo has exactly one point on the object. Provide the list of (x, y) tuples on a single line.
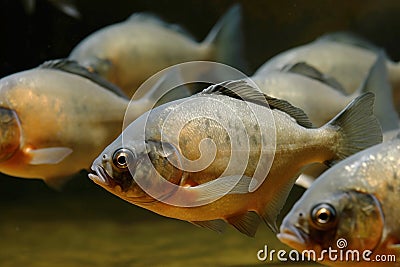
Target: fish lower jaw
[(101, 177), (97, 179), (293, 240)]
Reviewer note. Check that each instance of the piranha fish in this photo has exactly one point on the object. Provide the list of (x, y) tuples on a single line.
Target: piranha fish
[(355, 201), (129, 52), (55, 119), (157, 146), (345, 59), (298, 83)]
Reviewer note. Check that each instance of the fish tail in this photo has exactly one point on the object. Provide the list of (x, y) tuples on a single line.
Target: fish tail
[(377, 82), (227, 39), (357, 125)]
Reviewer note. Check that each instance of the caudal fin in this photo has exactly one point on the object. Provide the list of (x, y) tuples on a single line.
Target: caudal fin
[(358, 126), (227, 38)]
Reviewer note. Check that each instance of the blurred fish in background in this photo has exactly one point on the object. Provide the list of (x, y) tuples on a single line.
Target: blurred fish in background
[(55, 119), (129, 52), (57, 124), (345, 57), (299, 83)]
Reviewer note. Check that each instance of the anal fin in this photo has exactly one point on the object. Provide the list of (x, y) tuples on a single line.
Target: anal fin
[(218, 225), (246, 223)]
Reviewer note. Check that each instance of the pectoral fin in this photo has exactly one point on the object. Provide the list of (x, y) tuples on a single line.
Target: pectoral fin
[(275, 206), (213, 190), (51, 155)]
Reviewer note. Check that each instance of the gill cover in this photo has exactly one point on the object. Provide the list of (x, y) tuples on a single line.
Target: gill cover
[(10, 133)]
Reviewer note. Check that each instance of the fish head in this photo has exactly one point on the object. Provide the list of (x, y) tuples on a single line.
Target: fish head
[(10, 133), (136, 168), (320, 220)]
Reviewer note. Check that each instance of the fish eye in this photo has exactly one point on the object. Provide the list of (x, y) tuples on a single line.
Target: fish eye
[(323, 215), (122, 157)]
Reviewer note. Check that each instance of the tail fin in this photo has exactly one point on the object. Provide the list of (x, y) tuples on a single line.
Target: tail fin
[(377, 82), (227, 37), (358, 126)]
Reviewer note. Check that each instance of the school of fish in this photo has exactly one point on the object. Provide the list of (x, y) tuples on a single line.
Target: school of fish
[(324, 115)]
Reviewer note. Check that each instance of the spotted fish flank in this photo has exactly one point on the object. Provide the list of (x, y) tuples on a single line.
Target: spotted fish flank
[(296, 146)]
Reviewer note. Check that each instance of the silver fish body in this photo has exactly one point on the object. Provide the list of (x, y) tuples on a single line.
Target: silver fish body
[(356, 200), (348, 64), (300, 83), (183, 128), (55, 123), (129, 52), (300, 91)]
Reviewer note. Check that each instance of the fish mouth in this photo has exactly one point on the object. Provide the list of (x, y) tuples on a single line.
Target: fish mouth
[(100, 175), (293, 237)]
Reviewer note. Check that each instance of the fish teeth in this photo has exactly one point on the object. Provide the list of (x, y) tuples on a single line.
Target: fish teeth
[(96, 178), (101, 176)]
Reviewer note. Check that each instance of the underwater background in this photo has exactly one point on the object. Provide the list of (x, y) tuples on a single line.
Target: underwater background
[(83, 225)]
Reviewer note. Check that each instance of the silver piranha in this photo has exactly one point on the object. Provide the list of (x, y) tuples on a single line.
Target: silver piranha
[(55, 119), (300, 83), (208, 146), (345, 59), (355, 202), (129, 52)]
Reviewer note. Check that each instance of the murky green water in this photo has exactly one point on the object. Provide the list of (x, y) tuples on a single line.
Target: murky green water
[(85, 226)]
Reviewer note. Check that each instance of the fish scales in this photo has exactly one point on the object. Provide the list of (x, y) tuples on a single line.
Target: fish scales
[(296, 146), (363, 194)]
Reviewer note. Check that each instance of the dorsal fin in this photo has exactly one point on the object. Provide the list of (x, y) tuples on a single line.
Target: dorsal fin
[(242, 90), (309, 71), (151, 18), (71, 66)]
